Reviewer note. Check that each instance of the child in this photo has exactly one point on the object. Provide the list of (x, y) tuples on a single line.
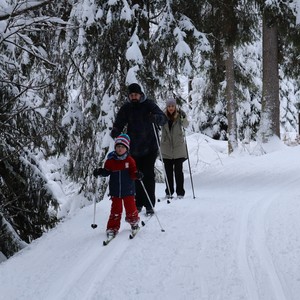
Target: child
[(173, 148), (121, 168)]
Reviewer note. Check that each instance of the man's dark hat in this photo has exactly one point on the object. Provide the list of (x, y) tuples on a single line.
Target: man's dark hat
[(134, 88)]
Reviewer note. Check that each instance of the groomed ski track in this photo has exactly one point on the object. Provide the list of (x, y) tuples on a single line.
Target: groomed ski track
[(228, 243)]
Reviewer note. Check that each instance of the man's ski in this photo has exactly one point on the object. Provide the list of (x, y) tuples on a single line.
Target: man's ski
[(164, 199), (148, 217)]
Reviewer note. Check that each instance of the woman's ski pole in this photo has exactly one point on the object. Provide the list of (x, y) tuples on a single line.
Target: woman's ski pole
[(187, 152), (164, 170)]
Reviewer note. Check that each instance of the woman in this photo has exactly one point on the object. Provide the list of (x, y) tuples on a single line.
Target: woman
[(173, 148)]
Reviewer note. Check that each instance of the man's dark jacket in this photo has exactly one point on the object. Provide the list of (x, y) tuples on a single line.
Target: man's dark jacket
[(139, 118)]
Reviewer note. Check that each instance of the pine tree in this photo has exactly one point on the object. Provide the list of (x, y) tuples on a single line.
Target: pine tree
[(234, 28), (278, 18), (112, 44), (27, 205)]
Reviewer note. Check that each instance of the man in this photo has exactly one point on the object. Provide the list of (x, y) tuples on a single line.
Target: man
[(139, 114)]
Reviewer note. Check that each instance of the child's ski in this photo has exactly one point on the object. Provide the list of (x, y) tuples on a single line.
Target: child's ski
[(134, 232), (108, 240), (144, 222)]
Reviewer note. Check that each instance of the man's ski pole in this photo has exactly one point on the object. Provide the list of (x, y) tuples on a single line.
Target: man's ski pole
[(165, 174), (142, 183)]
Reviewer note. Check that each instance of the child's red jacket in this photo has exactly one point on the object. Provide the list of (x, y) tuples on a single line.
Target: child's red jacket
[(122, 171)]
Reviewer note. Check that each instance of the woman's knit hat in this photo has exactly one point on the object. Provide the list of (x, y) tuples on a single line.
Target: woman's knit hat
[(123, 139), (171, 101)]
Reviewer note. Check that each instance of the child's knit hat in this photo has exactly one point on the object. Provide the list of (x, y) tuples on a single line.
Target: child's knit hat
[(123, 139)]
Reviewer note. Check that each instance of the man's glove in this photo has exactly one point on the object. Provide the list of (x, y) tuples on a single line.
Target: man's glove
[(152, 118), (98, 172), (139, 175), (114, 132)]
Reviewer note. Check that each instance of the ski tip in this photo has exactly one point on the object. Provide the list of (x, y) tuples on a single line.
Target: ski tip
[(143, 223), (106, 242)]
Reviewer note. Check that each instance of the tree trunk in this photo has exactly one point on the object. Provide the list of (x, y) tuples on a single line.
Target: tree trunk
[(270, 115), (231, 101)]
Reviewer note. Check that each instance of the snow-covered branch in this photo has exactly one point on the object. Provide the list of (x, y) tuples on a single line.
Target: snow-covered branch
[(20, 9)]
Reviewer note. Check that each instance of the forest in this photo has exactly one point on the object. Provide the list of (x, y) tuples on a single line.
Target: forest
[(65, 64)]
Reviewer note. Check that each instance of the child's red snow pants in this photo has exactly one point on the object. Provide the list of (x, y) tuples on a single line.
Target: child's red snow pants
[(132, 215)]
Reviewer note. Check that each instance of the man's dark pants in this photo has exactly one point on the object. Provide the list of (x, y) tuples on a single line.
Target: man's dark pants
[(145, 164)]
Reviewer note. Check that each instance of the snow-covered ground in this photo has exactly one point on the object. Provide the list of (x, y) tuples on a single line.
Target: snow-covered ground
[(238, 239)]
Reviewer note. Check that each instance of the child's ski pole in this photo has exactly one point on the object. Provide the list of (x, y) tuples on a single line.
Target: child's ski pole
[(93, 225)]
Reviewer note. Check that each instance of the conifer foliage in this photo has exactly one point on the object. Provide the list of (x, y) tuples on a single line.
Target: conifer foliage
[(27, 206)]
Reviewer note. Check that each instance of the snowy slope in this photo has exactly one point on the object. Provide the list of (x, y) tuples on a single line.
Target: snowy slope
[(238, 239)]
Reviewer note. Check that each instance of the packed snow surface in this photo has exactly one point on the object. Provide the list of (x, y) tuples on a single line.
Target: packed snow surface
[(239, 238)]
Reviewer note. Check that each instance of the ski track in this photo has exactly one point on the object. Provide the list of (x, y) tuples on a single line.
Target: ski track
[(255, 261), (227, 258), (242, 255), (80, 287), (262, 250), (260, 278), (160, 273), (91, 272), (249, 273), (258, 267)]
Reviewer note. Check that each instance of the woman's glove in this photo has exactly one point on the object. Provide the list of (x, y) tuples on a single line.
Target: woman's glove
[(182, 115)]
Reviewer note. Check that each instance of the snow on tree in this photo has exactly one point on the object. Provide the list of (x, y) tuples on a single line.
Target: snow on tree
[(27, 202)]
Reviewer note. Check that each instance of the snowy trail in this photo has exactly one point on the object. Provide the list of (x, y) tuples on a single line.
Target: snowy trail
[(265, 273), (242, 253), (84, 279), (255, 261), (260, 275), (264, 263), (239, 239)]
